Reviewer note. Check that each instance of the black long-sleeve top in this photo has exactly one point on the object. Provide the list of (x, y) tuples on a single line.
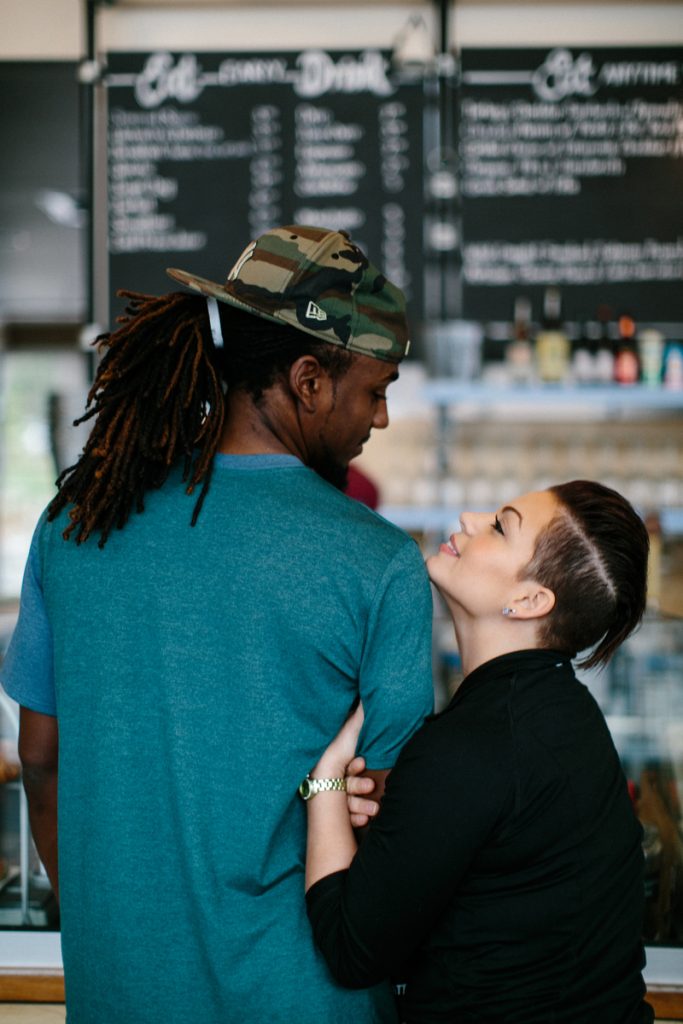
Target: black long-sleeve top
[(502, 880)]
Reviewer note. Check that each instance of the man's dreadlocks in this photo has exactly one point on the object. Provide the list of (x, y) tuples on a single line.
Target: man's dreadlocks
[(157, 397)]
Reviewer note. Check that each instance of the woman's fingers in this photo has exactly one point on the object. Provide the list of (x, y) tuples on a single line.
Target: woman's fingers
[(359, 785), (357, 805), (358, 788), (355, 767)]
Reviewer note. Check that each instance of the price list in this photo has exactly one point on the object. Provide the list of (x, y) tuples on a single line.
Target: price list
[(571, 166), (207, 151)]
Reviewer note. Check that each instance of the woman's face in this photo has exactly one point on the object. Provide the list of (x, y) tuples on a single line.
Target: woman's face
[(479, 568)]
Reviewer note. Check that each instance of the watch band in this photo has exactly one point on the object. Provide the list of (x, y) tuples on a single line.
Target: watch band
[(309, 787)]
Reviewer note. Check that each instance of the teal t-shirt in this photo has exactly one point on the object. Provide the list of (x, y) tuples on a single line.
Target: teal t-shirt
[(197, 674)]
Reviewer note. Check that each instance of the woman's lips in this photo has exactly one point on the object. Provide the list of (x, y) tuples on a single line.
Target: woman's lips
[(450, 548)]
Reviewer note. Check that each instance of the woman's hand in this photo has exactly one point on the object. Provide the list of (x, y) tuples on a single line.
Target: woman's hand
[(339, 760), (331, 843), (342, 749), (358, 788)]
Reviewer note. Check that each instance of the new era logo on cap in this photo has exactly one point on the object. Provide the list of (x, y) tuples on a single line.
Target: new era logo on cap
[(314, 312)]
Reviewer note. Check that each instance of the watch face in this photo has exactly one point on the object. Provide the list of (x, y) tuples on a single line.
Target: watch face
[(305, 790)]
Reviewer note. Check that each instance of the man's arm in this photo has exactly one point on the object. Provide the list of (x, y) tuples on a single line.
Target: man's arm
[(38, 753), (395, 677)]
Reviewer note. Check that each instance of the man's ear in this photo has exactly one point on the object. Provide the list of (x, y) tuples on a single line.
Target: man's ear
[(306, 381), (533, 602)]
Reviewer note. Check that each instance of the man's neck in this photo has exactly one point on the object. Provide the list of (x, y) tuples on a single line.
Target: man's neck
[(255, 430)]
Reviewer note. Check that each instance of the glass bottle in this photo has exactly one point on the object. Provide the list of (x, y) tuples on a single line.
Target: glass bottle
[(626, 361), (604, 359), (519, 351), (585, 354), (651, 351), (552, 343), (673, 366)]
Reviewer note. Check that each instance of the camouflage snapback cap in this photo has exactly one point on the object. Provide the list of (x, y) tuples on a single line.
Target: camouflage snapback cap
[(317, 281)]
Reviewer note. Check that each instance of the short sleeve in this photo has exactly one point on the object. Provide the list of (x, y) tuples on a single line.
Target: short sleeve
[(395, 679), (27, 670)]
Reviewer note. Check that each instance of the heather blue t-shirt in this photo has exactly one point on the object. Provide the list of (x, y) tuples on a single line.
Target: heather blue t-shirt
[(197, 674)]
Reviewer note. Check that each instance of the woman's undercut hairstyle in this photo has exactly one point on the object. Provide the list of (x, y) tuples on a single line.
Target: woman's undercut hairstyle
[(593, 556), (158, 399)]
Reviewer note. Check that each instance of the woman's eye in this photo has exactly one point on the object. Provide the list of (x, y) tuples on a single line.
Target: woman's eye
[(496, 524)]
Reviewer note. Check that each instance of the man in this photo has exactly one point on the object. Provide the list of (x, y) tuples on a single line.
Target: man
[(179, 675)]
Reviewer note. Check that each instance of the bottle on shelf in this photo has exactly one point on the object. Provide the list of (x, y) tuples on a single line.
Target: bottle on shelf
[(585, 354), (626, 361), (651, 351), (519, 355), (604, 358), (673, 366), (552, 343)]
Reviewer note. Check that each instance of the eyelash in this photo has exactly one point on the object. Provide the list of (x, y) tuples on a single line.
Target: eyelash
[(496, 525)]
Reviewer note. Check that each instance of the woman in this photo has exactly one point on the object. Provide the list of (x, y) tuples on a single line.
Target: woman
[(501, 880)]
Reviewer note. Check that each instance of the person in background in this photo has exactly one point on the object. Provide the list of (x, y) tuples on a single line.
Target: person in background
[(501, 880), (201, 606), (361, 487)]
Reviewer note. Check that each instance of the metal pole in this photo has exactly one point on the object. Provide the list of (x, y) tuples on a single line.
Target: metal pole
[(444, 219), (88, 76)]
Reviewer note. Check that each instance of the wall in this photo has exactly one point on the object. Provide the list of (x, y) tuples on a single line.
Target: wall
[(54, 29)]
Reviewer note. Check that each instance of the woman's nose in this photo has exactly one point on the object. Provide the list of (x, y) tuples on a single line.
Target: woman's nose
[(467, 522), (472, 522)]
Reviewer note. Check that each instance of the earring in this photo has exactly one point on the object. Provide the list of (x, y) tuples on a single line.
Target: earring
[(509, 611)]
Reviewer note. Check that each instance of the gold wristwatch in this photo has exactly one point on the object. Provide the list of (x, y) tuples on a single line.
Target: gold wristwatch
[(309, 787)]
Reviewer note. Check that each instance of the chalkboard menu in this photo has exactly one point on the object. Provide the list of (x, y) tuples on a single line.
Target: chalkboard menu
[(571, 168), (206, 151)]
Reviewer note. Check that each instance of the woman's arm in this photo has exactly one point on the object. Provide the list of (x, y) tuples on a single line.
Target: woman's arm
[(331, 844), (369, 912)]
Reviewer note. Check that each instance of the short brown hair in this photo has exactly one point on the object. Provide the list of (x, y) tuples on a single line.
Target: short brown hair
[(593, 556)]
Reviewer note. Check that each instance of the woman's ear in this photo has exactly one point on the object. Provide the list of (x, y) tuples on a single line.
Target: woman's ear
[(306, 379), (534, 602)]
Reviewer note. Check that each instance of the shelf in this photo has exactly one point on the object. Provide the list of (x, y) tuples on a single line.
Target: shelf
[(605, 400), (440, 519), (462, 399)]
